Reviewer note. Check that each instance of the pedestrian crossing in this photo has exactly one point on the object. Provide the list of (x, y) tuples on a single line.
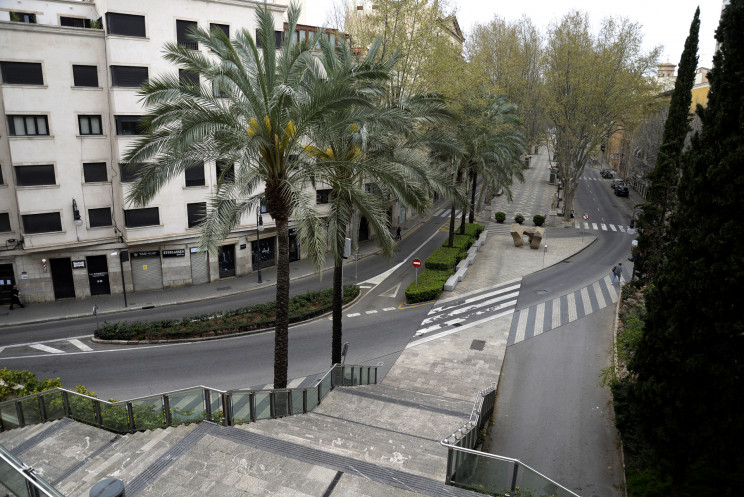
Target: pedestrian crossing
[(588, 226), (551, 314), (455, 315)]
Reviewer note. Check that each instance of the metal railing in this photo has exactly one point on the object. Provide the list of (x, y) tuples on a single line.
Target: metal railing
[(21, 480), (187, 405), (489, 473)]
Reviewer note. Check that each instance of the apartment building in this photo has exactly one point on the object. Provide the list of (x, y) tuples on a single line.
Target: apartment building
[(70, 72)]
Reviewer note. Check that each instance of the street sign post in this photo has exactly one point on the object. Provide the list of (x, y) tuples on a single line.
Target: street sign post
[(417, 264), (586, 218)]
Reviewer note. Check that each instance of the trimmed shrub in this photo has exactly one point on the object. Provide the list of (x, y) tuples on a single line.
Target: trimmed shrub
[(443, 259), (519, 218), (500, 217), (301, 307), (474, 229), (538, 220), (430, 284)]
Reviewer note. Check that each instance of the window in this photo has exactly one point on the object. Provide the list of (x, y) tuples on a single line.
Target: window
[(4, 222), (90, 125), (322, 196), (22, 73), (1, 175), (196, 213), (222, 27), (125, 24), (99, 217), (95, 172), (23, 17), (27, 125), (85, 76), (35, 175), (74, 22), (134, 218), (189, 81), (278, 35), (183, 28), (42, 223), (225, 172), (370, 188), (128, 76), (128, 172), (219, 88), (128, 125), (195, 175)]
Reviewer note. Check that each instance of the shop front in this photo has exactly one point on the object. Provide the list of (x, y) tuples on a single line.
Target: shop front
[(147, 270)]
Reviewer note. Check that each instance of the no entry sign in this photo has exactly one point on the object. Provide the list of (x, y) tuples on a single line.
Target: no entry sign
[(416, 263), (585, 216)]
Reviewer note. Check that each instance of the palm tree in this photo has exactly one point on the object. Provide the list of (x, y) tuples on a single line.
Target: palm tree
[(273, 98), (491, 144)]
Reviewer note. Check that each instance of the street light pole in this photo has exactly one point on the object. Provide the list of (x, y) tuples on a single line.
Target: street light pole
[(259, 229)]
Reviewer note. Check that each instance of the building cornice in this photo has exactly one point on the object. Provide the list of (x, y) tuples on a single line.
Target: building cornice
[(50, 29)]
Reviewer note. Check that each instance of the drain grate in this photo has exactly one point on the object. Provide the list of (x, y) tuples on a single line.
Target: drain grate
[(477, 345), (223, 288)]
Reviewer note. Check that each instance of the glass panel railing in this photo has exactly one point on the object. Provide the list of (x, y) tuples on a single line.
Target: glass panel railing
[(372, 376), (114, 417), (356, 374), (482, 474), (312, 398), (11, 481), (347, 375), (187, 406), (241, 407), (9, 415), (263, 405), (324, 387), (148, 413), (281, 403), (15, 480), (215, 403), (54, 404), (297, 395), (82, 408), (533, 483), (31, 410)]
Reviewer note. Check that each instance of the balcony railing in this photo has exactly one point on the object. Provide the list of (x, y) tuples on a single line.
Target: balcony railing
[(181, 406), (488, 473)]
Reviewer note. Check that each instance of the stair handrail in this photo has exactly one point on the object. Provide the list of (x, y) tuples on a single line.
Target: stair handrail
[(38, 483)]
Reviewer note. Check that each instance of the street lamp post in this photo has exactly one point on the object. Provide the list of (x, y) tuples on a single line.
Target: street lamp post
[(259, 229)]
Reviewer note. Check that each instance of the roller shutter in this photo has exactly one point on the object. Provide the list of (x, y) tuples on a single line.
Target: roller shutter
[(147, 271)]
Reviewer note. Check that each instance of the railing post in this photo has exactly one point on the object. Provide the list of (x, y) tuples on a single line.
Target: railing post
[(272, 407), (42, 409), (252, 403), (66, 403), (289, 402), (166, 406), (130, 417), (97, 410), (304, 401), (514, 476), (227, 417), (447, 477), (19, 414), (207, 404)]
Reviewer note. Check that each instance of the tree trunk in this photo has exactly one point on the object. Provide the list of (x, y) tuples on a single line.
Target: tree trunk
[(474, 174), (281, 332), (452, 227), (568, 196), (338, 303)]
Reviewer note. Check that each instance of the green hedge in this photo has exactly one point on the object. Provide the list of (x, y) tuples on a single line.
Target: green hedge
[(430, 284), (443, 259), (301, 307), (474, 229)]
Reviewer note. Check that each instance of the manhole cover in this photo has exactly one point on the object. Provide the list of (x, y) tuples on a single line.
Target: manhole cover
[(477, 345)]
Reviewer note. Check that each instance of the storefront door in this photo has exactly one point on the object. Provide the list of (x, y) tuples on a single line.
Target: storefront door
[(64, 287), (98, 275), (267, 253), (7, 280), (226, 259)]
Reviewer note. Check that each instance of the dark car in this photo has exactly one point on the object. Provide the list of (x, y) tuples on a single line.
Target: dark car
[(616, 182), (621, 190), (605, 173)]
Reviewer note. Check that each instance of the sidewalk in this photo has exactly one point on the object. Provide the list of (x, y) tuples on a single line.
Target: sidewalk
[(108, 304)]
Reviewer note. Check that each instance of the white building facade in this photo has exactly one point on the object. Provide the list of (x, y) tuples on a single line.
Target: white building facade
[(70, 73)]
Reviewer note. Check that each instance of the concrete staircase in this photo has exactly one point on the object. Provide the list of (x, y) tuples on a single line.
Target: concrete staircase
[(368, 441)]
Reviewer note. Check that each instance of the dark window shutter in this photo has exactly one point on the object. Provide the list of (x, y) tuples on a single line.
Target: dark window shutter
[(42, 223), (134, 218), (128, 76), (196, 213), (99, 217), (22, 73), (222, 27), (125, 24), (195, 175), (35, 175), (85, 76), (4, 222), (95, 172), (182, 34)]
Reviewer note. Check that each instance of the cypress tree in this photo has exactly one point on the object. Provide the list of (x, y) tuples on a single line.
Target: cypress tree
[(689, 366), (664, 177)]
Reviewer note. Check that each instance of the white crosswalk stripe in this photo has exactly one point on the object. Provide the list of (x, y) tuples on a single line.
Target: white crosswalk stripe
[(46, 348), (77, 343), (387, 309), (612, 227)]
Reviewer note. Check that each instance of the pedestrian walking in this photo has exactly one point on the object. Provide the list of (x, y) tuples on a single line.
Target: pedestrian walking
[(617, 271), (397, 233), (15, 297)]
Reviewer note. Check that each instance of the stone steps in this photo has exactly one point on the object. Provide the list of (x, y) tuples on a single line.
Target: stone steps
[(12, 438)]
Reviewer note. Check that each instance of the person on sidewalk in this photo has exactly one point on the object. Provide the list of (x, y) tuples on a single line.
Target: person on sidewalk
[(617, 271), (15, 297), (397, 233)]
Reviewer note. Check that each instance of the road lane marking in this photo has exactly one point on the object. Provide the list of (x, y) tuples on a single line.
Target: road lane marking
[(77, 343), (354, 314), (594, 226), (521, 326), (540, 318), (370, 312), (461, 328), (585, 301), (46, 348), (599, 294), (556, 321), (386, 309)]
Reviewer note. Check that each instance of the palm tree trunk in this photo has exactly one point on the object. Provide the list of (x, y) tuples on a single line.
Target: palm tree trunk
[(474, 174), (338, 303), (281, 332), (452, 227)]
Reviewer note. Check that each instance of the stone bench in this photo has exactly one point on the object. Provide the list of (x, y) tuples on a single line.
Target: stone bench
[(534, 234)]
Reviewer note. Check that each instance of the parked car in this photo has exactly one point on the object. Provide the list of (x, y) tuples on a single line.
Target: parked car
[(617, 182), (621, 190), (605, 173)]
